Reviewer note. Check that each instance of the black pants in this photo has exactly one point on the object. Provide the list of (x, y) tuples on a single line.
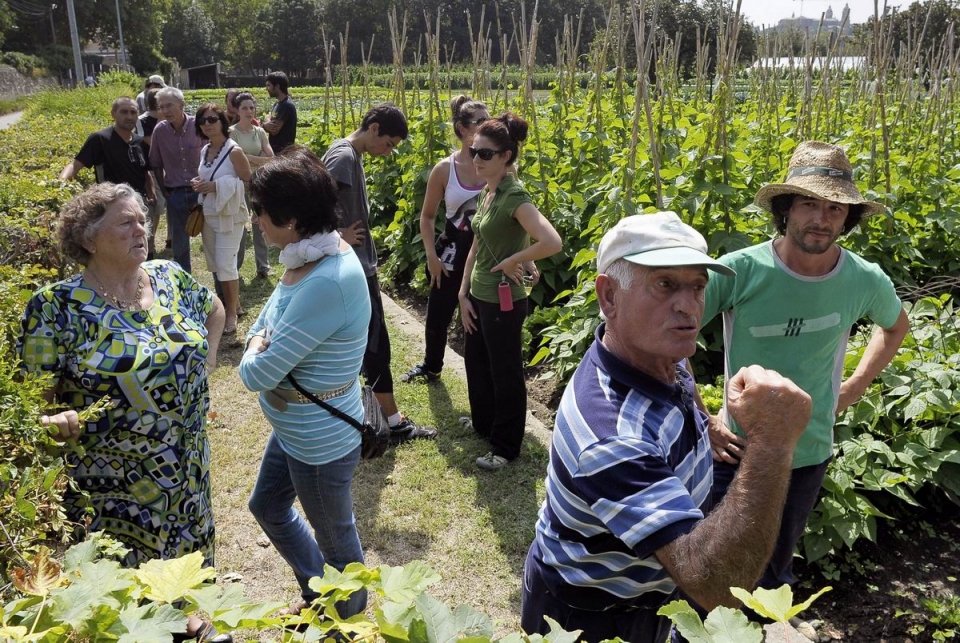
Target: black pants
[(493, 357), (805, 484), (376, 359), (637, 625), (441, 305)]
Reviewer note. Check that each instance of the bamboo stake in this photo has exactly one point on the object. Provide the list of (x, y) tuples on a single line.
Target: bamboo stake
[(433, 64), (327, 81), (881, 103), (345, 101), (398, 40), (644, 50), (365, 58)]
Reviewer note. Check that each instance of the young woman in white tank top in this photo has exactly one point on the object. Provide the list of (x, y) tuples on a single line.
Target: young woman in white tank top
[(454, 181)]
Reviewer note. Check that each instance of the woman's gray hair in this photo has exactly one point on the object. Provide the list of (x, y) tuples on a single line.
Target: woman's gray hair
[(171, 92), (81, 218)]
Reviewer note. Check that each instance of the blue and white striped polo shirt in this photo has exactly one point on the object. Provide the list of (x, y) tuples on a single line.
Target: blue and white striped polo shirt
[(630, 471)]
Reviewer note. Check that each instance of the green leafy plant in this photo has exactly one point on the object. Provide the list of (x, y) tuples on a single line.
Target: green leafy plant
[(903, 435), (90, 597), (944, 615), (728, 625)]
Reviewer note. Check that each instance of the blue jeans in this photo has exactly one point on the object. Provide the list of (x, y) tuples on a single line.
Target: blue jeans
[(324, 493), (179, 202)]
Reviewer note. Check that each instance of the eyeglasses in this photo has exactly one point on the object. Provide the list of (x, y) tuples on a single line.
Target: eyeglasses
[(135, 155), (209, 120), (476, 121), (484, 153)]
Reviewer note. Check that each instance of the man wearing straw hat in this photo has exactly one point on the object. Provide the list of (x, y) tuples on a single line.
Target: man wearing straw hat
[(791, 309), (628, 516)]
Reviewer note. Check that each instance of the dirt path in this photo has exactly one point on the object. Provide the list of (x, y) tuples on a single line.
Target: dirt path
[(8, 120)]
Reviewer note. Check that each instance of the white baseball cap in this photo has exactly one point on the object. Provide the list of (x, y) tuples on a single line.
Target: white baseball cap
[(660, 240)]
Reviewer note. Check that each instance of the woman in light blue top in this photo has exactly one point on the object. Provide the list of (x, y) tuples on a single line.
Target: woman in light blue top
[(314, 326)]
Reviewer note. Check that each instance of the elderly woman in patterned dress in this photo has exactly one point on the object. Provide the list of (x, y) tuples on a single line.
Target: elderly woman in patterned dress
[(144, 334)]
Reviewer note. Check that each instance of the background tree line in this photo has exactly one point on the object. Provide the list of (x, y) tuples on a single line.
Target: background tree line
[(254, 36)]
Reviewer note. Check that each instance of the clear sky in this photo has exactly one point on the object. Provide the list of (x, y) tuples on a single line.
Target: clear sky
[(769, 12)]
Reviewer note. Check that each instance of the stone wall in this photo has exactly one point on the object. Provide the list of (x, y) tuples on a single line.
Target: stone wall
[(13, 84)]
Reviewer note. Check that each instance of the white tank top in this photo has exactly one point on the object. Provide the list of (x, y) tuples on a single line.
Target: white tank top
[(456, 193)]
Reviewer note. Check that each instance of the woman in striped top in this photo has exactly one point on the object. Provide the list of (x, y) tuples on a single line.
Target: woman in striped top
[(314, 326)]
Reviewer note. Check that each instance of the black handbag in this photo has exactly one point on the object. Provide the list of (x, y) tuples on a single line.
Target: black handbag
[(374, 432)]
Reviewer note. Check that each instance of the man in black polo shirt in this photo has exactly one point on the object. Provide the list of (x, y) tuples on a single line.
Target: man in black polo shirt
[(282, 124), (118, 153)]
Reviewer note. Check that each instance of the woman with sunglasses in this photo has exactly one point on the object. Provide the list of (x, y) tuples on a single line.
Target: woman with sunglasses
[(223, 169), (509, 231), (454, 181)]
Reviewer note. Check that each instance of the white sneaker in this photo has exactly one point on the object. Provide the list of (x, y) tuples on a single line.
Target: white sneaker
[(491, 462)]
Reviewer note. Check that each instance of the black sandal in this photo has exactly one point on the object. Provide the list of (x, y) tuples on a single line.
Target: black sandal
[(293, 611), (205, 633)]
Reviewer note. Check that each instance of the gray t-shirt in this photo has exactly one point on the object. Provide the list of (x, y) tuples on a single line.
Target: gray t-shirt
[(343, 163)]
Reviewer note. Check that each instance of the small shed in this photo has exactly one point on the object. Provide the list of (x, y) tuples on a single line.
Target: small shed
[(202, 77)]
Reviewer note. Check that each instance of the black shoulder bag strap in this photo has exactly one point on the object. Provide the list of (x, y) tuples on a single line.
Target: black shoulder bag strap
[(225, 156), (332, 410)]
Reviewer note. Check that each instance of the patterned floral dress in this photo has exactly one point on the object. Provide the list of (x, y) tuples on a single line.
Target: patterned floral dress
[(145, 463)]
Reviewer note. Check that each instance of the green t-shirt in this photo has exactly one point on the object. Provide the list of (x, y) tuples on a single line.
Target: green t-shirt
[(499, 235), (798, 326)]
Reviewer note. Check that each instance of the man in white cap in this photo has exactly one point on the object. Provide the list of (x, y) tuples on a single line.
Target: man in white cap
[(627, 518), (791, 309), (154, 82)]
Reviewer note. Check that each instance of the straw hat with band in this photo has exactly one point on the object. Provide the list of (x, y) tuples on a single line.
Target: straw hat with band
[(821, 171)]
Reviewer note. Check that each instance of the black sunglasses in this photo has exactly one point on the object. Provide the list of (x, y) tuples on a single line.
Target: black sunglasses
[(209, 120), (476, 121), (484, 153)]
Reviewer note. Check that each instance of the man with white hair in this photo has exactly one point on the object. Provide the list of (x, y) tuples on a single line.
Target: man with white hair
[(628, 518), (175, 156)]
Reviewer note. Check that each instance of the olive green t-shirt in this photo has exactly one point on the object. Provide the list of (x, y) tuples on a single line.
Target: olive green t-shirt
[(499, 235)]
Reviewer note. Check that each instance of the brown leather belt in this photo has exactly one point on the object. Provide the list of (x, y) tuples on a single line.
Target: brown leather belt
[(279, 397)]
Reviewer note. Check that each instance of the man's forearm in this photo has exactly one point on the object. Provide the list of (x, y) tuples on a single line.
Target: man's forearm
[(69, 171), (731, 546), (880, 351)]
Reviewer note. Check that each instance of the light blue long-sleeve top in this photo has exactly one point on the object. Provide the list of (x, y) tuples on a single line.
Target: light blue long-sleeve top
[(318, 331)]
